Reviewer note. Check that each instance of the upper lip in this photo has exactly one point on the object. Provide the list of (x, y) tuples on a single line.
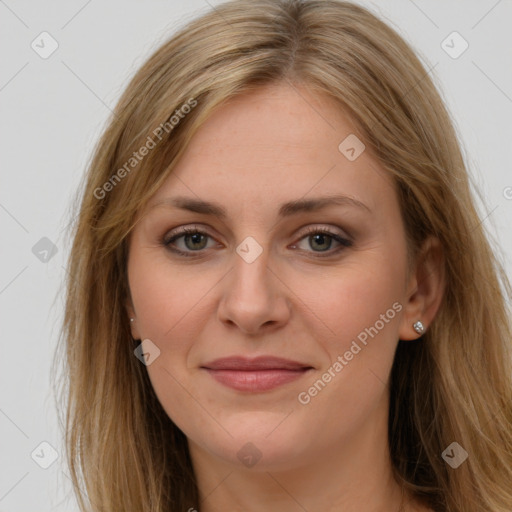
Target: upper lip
[(259, 363)]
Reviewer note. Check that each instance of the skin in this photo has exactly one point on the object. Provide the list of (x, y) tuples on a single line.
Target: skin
[(256, 152)]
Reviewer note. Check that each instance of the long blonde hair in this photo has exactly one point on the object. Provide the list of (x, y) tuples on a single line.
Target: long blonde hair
[(123, 451)]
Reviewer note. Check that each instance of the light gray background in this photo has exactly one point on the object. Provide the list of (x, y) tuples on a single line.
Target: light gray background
[(53, 111)]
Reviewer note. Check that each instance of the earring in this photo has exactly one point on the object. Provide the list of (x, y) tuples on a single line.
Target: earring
[(132, 319), (419, 327)]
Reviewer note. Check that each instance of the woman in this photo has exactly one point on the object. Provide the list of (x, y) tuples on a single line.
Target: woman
[(281, 295)]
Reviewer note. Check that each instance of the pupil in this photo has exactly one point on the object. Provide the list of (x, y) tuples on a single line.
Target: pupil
[(196, 238), (321, 236)]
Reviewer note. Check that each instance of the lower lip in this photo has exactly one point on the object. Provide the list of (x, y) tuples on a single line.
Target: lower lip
[(257, 380)]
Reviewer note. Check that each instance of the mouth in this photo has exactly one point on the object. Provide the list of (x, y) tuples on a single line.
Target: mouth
[(255, 375)]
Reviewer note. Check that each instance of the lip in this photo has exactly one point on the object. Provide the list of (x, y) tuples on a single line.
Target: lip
[(255, 375)]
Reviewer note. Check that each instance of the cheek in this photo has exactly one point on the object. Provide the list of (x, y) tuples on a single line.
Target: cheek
[(362, 308), (360, 293), (167, 302), (163, 294)]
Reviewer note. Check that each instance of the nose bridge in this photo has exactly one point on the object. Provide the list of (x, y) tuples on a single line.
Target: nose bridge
[(252, 296), (250, 272)]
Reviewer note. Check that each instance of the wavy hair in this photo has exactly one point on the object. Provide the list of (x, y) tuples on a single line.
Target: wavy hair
[(123, 451)]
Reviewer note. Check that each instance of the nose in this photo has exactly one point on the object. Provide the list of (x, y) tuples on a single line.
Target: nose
[(254, 298)]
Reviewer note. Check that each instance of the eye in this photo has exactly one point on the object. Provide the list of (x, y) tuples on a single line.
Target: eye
[(321, 239), (194, 240)]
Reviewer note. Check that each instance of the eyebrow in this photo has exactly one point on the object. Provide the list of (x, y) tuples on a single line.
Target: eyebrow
[(286, 209)]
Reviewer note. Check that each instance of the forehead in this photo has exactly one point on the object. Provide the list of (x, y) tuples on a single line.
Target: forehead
[(273, 145)]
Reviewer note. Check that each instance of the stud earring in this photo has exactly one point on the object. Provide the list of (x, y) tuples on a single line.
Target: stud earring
[(419, 327), (132, 319)]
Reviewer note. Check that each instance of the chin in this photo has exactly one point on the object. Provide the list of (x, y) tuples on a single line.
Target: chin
[(261, 441)]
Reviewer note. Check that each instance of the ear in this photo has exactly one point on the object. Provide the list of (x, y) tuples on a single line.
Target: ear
[(425, 289), (133, 323)]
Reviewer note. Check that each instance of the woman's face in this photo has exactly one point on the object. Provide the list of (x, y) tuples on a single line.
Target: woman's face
[(282, 272)]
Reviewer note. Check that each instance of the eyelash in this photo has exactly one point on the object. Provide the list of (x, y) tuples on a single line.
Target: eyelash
[(166, 241)]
